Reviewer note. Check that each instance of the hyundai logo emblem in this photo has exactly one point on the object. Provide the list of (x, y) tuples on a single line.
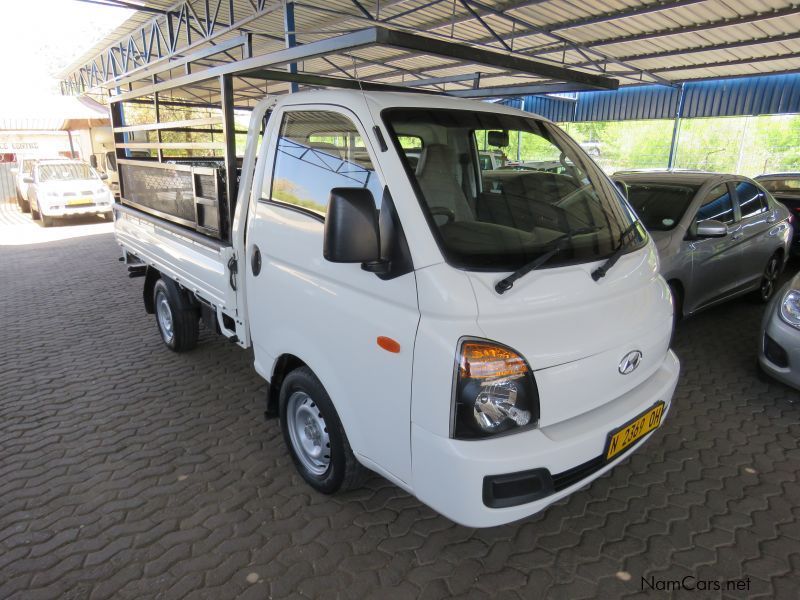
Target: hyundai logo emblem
[(629, 362)]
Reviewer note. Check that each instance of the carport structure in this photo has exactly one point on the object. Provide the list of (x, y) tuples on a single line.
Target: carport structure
[(476, 48)]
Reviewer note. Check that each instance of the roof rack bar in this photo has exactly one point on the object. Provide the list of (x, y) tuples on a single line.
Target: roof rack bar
[(382, 37)]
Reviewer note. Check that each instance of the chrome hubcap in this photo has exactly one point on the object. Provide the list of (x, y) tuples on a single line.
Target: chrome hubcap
[(164, 314), (770, 277), (308, 433)]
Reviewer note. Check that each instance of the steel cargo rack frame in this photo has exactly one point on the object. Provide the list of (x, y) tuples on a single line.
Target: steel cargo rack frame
[(194, 183)]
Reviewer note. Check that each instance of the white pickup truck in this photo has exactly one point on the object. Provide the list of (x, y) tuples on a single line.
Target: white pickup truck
[(488, 341)]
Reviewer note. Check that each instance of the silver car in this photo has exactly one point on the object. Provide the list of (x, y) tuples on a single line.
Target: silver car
[(779, 343), (718, 236)]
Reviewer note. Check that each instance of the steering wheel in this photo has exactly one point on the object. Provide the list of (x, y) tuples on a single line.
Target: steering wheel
[(442, 211)]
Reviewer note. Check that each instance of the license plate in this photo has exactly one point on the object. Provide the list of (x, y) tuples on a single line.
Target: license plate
[(80, 202), (633, 430)]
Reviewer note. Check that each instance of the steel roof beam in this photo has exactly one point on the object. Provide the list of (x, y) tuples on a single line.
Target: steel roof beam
[(519, 90)]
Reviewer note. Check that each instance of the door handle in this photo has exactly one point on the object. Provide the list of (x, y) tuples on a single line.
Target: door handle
[(737, 235), (772, 219), (255, 262)]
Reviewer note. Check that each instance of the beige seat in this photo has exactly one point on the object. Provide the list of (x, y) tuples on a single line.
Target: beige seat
[(436, 174)]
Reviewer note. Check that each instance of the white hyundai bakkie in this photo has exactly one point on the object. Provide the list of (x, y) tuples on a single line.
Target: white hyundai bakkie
[(488, 340)]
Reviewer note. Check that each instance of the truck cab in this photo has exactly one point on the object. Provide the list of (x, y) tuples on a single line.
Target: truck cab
[(490, 341)]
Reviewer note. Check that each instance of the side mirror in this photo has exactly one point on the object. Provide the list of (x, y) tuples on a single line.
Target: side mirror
[(351, 229), (622, 187), (103, 176), (711, 229), (27, 179)]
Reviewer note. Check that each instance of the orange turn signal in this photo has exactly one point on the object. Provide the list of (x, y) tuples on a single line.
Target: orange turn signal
[(388, 344), (483, 360)]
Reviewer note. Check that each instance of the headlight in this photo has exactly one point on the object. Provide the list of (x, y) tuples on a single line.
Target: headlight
[(494, 391), (790, 308)]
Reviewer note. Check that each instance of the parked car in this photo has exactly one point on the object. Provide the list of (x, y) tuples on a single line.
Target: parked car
[(779, 342), (63, 188), (532, 316), (23, 169), (718, 236), (785, 188)]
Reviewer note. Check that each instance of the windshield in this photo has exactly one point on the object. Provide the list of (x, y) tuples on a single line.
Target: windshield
[(781, 186), (64, 172), (501, 219), (660, 206)]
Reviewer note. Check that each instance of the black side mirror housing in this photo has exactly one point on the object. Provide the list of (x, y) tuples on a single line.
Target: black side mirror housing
[(351, 229), (103, 176), (27, 179)]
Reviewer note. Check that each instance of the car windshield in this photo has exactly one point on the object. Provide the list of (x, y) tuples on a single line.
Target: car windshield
[(781, 186), (660, 206), (502, 219), (64, 172)]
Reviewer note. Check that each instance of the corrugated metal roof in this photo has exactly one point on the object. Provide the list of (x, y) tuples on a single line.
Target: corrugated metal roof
[(635, 41), (773, 94)]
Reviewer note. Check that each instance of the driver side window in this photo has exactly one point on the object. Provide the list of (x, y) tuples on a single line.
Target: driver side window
[(317, 151), (717, 206)]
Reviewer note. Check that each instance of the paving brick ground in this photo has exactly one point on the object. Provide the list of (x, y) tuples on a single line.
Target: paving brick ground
[(127, 471)]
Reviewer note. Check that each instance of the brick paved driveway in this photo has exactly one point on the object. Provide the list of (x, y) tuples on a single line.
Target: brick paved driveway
[(127, 471)]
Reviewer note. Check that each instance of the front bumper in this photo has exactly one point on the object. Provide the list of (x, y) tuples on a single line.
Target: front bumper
[(448, 474), (86, 209), (779, 346)]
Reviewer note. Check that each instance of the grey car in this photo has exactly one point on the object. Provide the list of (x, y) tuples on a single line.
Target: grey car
[(718, 236), (779, 343)]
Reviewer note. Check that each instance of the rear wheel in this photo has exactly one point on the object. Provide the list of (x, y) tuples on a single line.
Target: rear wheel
[(177, 319), (314, 435), (769, 279), (35, 214)]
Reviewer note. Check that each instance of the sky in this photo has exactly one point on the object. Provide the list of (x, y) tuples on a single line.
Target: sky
[(39, 38)]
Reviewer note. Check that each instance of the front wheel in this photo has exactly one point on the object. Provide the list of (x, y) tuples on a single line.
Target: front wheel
[(314, 435), (178, 321), (46, 220), (769, 280)]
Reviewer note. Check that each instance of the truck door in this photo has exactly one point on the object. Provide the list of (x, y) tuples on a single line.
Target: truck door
[(329, 315)]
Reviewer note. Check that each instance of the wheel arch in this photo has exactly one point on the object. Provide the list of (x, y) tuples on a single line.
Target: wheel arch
[(677, 284), (151, 276), (285, 364)]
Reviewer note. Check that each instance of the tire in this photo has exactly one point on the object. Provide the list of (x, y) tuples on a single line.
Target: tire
[(177, 319), (315, 437), (46, 221), (769, 280), (24, 206), (35, 215)]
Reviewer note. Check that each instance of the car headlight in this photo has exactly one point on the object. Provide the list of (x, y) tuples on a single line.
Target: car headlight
[(495, 391), (790, 308)]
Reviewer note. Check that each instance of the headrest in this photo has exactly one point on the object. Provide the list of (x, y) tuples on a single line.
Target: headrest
[(435, 158)]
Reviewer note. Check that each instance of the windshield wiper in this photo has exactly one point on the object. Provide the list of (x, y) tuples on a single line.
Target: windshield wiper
[(601, 271), (558, 243)]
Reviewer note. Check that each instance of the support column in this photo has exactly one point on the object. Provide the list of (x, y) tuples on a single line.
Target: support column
[(229, 135), (673, 146), (291, 38)]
